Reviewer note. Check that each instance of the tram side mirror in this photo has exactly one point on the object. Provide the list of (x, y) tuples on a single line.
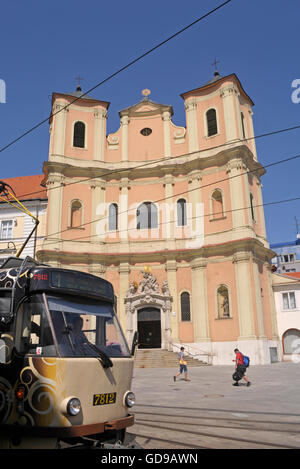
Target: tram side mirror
[(134, 342)]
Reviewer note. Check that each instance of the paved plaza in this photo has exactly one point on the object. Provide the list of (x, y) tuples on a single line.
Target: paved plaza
[(208, 412)]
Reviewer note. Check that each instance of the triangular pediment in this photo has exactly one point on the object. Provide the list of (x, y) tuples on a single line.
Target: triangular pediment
[(146, 107)]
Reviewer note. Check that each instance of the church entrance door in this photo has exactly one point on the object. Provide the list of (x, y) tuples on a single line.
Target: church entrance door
[(149, 328)]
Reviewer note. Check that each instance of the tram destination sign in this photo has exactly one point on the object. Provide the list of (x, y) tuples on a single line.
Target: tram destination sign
[(71, 281), (81, 282)]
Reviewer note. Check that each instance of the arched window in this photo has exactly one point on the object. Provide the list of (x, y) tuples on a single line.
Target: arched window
[(211, 119), (217, 204), (76, 214), (79, 135), (291, 341), (113, 217), (147, 216), (181, 212), (223, 302), (243, 125), (185, 306)]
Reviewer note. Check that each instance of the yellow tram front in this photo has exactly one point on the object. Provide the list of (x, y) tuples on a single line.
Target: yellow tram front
[(65, 366)]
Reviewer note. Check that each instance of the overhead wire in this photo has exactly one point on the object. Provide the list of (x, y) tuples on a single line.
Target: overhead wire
[(163, 160), (247, 172), (125, 67)]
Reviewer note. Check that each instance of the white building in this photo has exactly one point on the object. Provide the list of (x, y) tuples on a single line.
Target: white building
[(16, 225), (287, 301)]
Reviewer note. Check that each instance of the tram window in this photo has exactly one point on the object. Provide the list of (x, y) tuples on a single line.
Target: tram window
[(99, 328), (33, 333)]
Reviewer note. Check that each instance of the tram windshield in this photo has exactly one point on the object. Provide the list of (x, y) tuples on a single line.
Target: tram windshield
[(67, 327)]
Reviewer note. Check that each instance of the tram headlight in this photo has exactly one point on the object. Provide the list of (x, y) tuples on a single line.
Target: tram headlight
[(74, 406), (129, 399)]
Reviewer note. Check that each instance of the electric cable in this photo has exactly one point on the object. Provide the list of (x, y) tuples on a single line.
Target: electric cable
[(125, 67)]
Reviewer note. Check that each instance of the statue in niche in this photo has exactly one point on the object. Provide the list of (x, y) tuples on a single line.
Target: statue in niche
[(223, 302)]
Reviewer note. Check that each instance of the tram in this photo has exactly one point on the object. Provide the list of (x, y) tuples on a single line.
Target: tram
[(65, 366)]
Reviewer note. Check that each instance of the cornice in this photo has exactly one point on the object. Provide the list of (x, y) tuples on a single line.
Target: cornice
[(240, 250), (198, 161)]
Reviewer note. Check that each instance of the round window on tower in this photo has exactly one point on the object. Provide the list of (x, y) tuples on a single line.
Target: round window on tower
[(146, 131)]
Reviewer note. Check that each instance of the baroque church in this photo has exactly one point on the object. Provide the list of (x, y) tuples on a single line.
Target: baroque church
[(171, 215)]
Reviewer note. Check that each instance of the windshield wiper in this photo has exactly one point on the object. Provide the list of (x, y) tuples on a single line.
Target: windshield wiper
[(105, 360), (67, 331)]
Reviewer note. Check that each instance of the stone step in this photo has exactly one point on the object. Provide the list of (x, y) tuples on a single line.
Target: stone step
[(160, 358)]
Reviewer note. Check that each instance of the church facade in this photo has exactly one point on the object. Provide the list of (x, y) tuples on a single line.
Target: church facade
[(171, 215)]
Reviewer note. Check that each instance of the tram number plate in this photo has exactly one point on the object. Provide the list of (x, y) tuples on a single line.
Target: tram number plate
[(103, 399)]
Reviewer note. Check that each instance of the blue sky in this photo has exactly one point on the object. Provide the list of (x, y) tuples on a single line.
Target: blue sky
[(46, 45)]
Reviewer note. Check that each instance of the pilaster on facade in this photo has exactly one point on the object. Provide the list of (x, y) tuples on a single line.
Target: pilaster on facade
[(171, 269), (166, 117), (241, 260), (253, 145), (275, 335), (55, 184), (168, 224), (200, 300), (98, 188), (228, 94), (60, 117), (100, 116), (124, 275), (235, 168), (124, 124), (192, 124), (124, 186), (195, 198)]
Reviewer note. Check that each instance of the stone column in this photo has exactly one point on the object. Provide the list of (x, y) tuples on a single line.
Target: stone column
[(192, 125), (171, 269), (124, 272), (244, 295), (199, 300), (124, 123), (59, 128), (166, 117), (100, 116), (228, 95)]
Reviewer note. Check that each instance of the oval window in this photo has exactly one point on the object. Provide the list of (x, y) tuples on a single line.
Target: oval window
[(146, 131)]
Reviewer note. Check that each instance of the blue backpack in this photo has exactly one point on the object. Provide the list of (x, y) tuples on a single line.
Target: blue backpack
[(246, 361)]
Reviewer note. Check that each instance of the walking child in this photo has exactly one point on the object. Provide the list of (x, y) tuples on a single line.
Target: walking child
[(182, 366)]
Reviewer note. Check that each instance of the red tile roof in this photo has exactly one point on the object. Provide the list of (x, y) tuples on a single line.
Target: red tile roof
[(293, 274), (27, 187)]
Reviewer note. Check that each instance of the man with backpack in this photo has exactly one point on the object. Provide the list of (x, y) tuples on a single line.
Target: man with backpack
[(241, 363)]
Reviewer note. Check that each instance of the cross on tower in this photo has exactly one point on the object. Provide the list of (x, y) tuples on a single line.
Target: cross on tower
[(79, 78), (215, 64)]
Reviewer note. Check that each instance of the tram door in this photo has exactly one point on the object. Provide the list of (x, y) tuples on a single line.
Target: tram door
[(149, 328)]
